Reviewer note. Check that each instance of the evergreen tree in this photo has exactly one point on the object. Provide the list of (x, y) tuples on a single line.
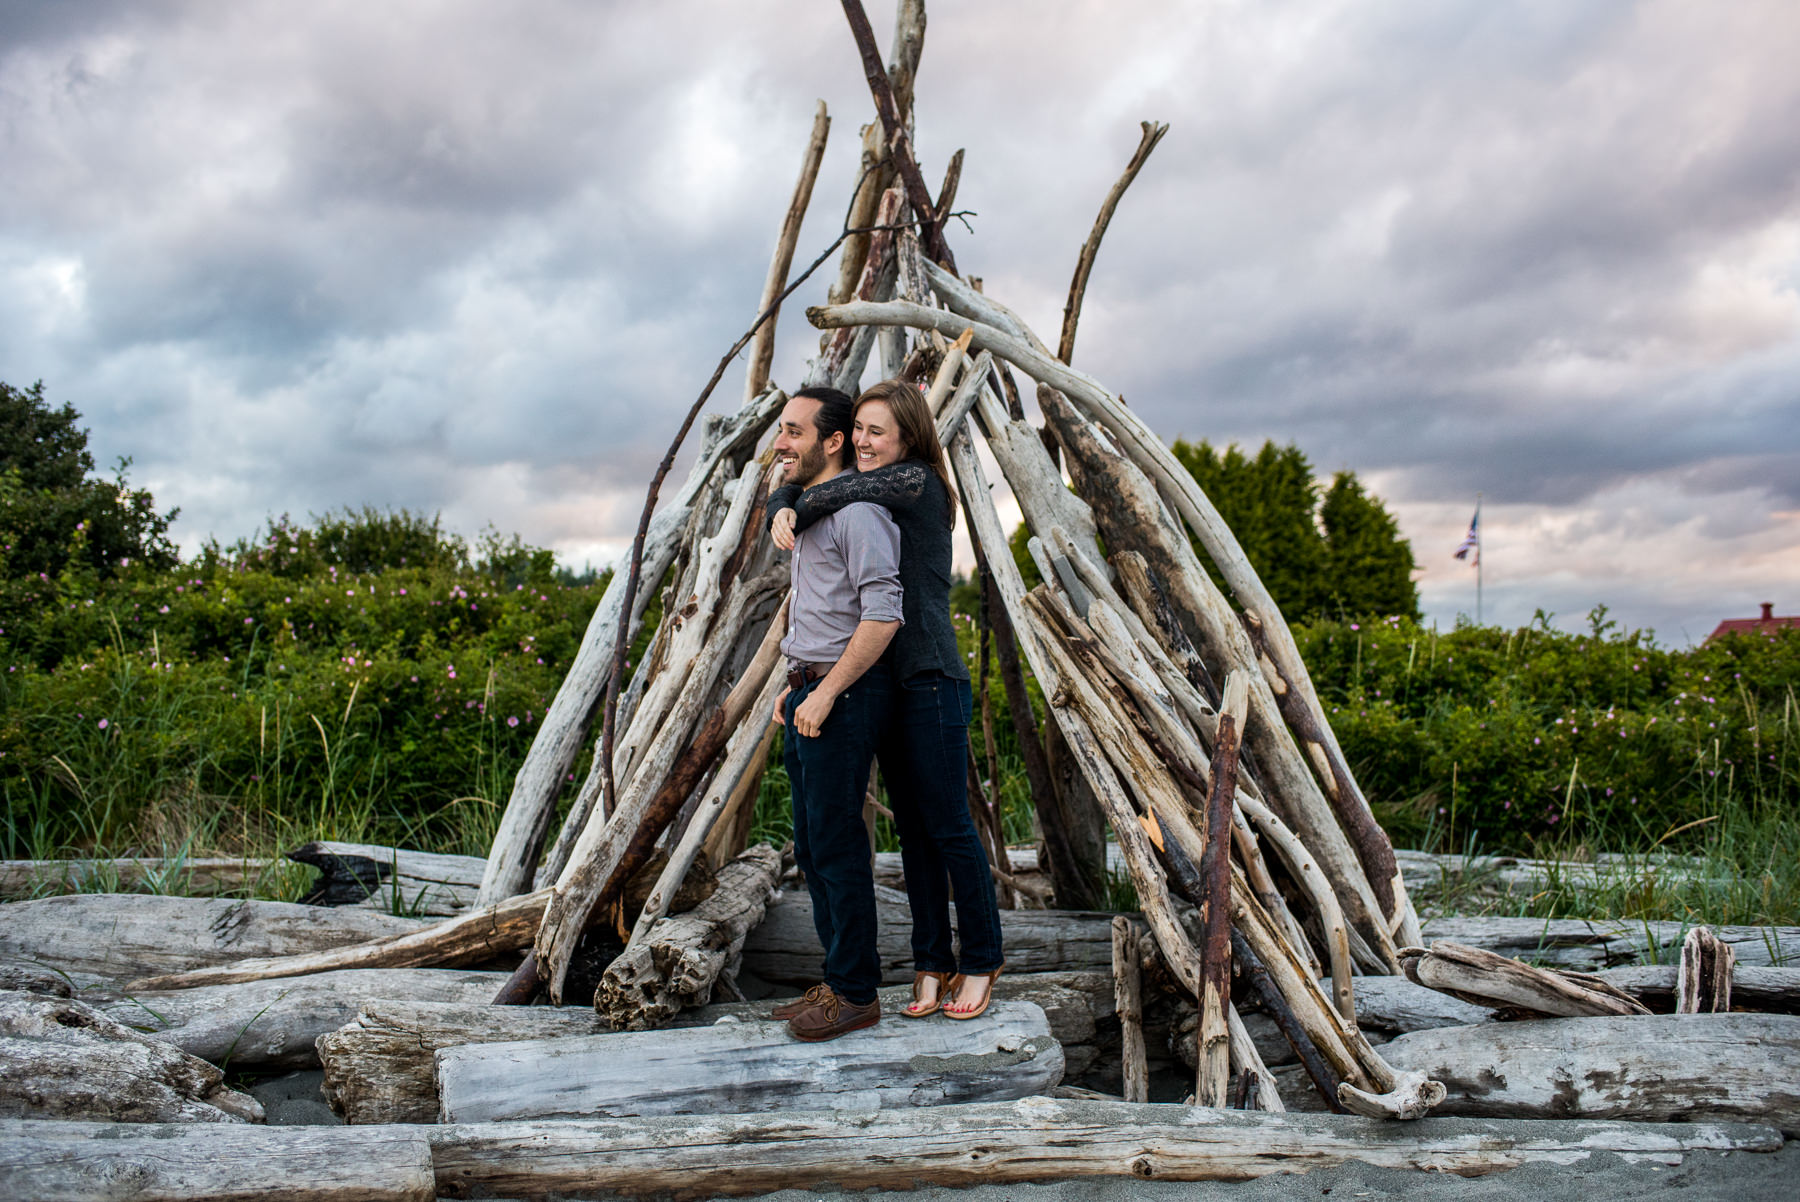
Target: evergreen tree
[(1368, 566), (1340, 553)]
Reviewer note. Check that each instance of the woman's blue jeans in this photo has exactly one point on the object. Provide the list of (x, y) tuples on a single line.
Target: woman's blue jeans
[(924, 753), (828, 777)]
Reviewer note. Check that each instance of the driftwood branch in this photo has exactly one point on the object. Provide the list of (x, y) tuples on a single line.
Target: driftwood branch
[(762, 344), (1084, 263)]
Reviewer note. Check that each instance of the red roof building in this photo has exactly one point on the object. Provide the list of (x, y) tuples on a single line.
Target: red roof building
[(1767, 624)]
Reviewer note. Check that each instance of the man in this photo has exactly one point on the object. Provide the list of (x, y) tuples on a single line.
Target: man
[(844, 609)]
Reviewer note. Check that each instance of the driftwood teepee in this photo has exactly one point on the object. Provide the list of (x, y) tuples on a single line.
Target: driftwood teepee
[(1185, 711)]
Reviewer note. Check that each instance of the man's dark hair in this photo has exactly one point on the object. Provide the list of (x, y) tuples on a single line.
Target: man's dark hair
[(836, 413)]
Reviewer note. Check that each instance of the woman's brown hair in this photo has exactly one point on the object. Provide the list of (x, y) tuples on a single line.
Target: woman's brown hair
[(918, 433)]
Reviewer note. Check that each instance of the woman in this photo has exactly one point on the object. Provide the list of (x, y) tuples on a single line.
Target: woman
[(924, 752)]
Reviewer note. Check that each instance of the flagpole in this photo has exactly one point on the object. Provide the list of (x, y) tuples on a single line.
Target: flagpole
[(1477, 559)]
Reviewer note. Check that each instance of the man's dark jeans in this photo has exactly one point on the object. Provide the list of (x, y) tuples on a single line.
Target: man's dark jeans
[(828, 777), (924, 750)]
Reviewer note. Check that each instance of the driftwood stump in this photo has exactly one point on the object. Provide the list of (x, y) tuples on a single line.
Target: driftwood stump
[(62, 1059)]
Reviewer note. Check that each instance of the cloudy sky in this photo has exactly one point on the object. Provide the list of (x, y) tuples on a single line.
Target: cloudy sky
[(479, 258)]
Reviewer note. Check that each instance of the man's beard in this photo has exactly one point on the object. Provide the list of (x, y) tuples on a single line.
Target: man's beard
[(810, 465)]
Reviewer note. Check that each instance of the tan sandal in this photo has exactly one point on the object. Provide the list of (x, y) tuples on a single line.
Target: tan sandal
[(936, 1003), (956, 984)]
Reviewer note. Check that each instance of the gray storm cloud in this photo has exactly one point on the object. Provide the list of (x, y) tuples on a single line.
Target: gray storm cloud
[(478, 259)]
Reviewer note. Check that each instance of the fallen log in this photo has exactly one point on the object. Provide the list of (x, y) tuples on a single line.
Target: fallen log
[(276, 1024), (680, 959), (395, 879), (785, 947), (753, 1067), (189, 876), (380, 1068), (62, 1059), (478, 936), (123, 935), (1484, 978), (1753, 987), (1651, 1068), (1589, 944), (1035, 1139), (93, 1162)]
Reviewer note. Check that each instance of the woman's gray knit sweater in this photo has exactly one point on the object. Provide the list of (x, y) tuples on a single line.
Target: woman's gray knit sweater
[(920, 503)]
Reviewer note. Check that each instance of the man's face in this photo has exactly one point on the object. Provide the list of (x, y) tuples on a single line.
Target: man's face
[(798, 445)]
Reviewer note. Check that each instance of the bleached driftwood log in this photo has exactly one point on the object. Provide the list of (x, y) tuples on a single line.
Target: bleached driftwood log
[(156, 1162), (1484, 978), (1654, 1068), (1589, 944), (62, 1059), (785, 947), (1036, 1139), (477, 936), (680, 960), (275, 1024), (196, 876), (122, 935), (380, 1068), (747, 1067), (395, 879), (1753, 987)]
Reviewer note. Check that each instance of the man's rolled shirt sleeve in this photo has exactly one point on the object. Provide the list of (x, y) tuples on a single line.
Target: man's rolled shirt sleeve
[(871, 549)]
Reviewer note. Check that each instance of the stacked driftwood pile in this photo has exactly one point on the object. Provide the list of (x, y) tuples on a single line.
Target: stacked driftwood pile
[(1275, 928)]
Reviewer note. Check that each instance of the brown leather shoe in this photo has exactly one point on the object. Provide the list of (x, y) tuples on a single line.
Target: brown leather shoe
[(832, 1016), (793, 1006)]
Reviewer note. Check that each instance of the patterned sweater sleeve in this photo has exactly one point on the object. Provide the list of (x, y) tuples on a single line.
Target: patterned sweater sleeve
[(897, 487)]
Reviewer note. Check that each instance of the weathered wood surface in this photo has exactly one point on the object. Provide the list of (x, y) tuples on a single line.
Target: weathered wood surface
[(1433, 872), (1703, 979), (380, 1068), (62, 1059), (1587, 945), (1485, 978), (753, 1067), (93, 1162), (681, 958), (785, 947), (1655, 1068), (196, 876), (124, 935), (1036, 1139), (275, 1024), (472, 938), (1128, 1002), (395, 879), (1753, 987)]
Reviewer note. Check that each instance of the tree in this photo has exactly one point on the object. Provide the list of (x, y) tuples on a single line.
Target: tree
[(54, 515), (1368, 566), (1318, 555)]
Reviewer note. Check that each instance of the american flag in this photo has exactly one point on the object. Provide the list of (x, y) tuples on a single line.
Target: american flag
[(1472, 540)]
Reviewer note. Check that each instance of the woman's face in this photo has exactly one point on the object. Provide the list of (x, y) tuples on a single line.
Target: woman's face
[(875, 437)]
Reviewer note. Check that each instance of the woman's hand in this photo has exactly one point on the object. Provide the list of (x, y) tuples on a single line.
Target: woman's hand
[(781, 530), (778, 718)]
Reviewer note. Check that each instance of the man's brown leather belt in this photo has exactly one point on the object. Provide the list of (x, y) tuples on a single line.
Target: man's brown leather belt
[(801, 675)]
